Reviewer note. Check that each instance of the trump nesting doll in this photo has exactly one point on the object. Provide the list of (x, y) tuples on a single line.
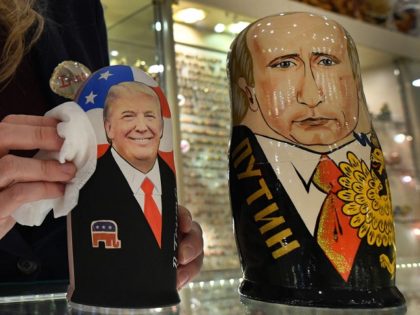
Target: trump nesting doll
[(123, 233), (309, 190)]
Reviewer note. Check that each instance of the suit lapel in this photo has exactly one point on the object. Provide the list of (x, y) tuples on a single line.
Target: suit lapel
[(309, 247), (120, 186)]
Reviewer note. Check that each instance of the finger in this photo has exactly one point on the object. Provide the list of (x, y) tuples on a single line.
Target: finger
[(6, 225), (186, 273), (15, 169), (31, 120), (185, 219), (23, 137), (191, 245), (18, 194)]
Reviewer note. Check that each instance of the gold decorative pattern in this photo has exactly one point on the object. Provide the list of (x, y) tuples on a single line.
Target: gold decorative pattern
[(388, 264), (366, 200)]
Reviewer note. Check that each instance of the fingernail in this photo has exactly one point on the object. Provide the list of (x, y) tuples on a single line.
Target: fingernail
[(68, 168), (62, 188), (190, 220), (187, 253), (182, 279)]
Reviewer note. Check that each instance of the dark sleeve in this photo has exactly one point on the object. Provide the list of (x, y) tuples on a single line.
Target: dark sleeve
[(74, 30)]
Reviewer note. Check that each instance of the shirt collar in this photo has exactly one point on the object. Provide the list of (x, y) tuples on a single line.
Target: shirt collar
[(305, 161), (135, 178)]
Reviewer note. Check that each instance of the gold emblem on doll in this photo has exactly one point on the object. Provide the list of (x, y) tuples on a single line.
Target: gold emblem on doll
[(388, 264), (365, 199), (67, 78)]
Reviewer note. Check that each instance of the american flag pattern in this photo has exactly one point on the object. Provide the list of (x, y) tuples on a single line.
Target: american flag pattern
[(92, 95)]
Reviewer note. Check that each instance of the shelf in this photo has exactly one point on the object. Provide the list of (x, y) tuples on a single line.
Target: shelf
[(367, 35)]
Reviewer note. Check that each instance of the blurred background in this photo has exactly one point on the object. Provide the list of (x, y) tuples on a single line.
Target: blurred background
[(184, 44)]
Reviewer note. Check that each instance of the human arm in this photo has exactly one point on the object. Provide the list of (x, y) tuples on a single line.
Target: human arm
[(24, 180)]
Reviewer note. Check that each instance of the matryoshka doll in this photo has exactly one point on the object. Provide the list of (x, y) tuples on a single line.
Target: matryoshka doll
[(123, 232), (309, 190)]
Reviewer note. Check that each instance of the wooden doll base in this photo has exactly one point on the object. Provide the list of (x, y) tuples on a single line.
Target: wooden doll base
[(81, 309), (333, 298), (259, 307)]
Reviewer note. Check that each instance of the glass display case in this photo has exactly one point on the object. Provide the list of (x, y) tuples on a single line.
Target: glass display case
[(390, 62), (210, 294)]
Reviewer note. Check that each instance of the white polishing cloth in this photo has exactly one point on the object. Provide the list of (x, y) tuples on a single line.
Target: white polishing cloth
[(79, 147)]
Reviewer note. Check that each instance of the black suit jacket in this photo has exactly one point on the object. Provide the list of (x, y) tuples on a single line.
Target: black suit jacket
[(74, 30), (304, 275), (139, 274)]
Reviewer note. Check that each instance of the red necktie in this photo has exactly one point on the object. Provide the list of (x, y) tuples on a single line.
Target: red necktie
[(335, 236), (151, 211)]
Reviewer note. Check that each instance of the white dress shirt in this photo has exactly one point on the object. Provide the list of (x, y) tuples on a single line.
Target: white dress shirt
[(135, 178), (288, 160)]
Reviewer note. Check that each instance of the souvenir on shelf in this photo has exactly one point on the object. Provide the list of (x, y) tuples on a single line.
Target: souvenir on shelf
[(122, 234), (309, 190), (205, 131)]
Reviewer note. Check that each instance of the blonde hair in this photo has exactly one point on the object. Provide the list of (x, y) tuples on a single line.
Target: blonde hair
[(126, 87), (20, 27)]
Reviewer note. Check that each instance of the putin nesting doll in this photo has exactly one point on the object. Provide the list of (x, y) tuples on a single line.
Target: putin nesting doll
[(309, 190)]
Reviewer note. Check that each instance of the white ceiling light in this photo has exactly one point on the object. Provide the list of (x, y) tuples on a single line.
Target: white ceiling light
[(406, 179), (416, 83), (114, 53), (237, 27), (189, 15), (219, 28), (399, 138)]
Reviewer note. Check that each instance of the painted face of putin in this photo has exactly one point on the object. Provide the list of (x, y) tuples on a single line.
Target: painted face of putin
[(133, 123), (304, 85)]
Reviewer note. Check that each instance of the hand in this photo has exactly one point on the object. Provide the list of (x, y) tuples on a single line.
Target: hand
[(190, 251), (24, 180)]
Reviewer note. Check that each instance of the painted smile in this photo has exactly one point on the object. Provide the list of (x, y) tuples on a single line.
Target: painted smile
[(141, 140)]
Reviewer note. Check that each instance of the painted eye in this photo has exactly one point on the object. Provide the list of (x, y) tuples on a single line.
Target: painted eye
[(150, 116), (326, 61), (127, 117), (283, 64)]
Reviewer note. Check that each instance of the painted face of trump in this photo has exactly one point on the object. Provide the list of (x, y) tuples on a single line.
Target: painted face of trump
[(133, 123)]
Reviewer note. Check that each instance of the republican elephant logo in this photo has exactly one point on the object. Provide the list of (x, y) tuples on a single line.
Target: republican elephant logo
[(105, 231)]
